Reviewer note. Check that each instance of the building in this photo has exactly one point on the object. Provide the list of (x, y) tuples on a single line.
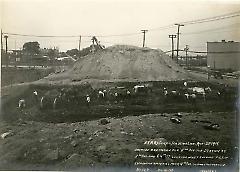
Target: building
[(223, 55)]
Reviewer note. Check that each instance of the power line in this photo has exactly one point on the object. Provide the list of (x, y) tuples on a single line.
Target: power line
[(214, 52), (215, 18), (127, 34), (203, 20), (162, 27), (212, 30), (209, 19), (46, 36), (205, 52), (70, 36)]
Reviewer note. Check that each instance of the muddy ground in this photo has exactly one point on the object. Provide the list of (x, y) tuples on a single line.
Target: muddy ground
[(65, 146), (106, 132), (13, 75)]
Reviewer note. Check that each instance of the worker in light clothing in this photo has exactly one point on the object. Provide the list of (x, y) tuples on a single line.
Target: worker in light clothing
[(116, 97), (128, 93), (185, 84), (21, 104), (88, 99), (41, 102), (165, 93), (193, 100), (35, 95), (101, 94)]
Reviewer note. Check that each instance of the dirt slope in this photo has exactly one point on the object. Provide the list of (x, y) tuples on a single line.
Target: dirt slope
[(121, 62), (69, 146)]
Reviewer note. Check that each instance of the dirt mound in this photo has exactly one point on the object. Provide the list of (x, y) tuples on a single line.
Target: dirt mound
[(121, 62)]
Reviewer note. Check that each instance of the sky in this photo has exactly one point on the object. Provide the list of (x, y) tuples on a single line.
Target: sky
[(112, 17)]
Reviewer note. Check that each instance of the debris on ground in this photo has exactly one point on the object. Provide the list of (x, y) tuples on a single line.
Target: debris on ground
[(104, 121), (205, 121), (65, 149), (212, 127), (75, 130), (123, 132), (175, 120), (194, 120), (97, 133), (52, 155), (6, 134), (101, 148), (74, 143), (74, 156), (179, 115)]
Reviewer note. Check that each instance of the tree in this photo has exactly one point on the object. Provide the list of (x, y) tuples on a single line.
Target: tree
[(88, 50), (73, 52), (31, 48), (52, 53)]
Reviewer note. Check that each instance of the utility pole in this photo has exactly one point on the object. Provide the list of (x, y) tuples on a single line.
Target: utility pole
[(6, 37), (178, 33), (1, 41), (186, 50), (79, 43), (1, 44), (172, 36), (144, 32)]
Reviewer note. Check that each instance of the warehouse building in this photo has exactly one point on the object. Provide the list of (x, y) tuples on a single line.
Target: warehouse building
[(223, 55)]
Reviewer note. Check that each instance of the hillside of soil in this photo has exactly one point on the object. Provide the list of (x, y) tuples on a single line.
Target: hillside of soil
[(122, 62)]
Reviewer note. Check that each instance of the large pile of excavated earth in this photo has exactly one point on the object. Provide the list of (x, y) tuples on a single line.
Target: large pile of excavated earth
[(130, 63)]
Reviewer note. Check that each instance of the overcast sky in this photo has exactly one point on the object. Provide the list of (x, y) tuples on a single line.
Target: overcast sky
[(109, 17)]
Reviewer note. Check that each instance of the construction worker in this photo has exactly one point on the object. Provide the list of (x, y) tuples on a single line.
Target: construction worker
[(101, 94), (88, 100), (21, 103), (128, 93), (165, 93), (55, 102), (194, 100), (185, 84), (116, 97), (41, 102), (35, 95)]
